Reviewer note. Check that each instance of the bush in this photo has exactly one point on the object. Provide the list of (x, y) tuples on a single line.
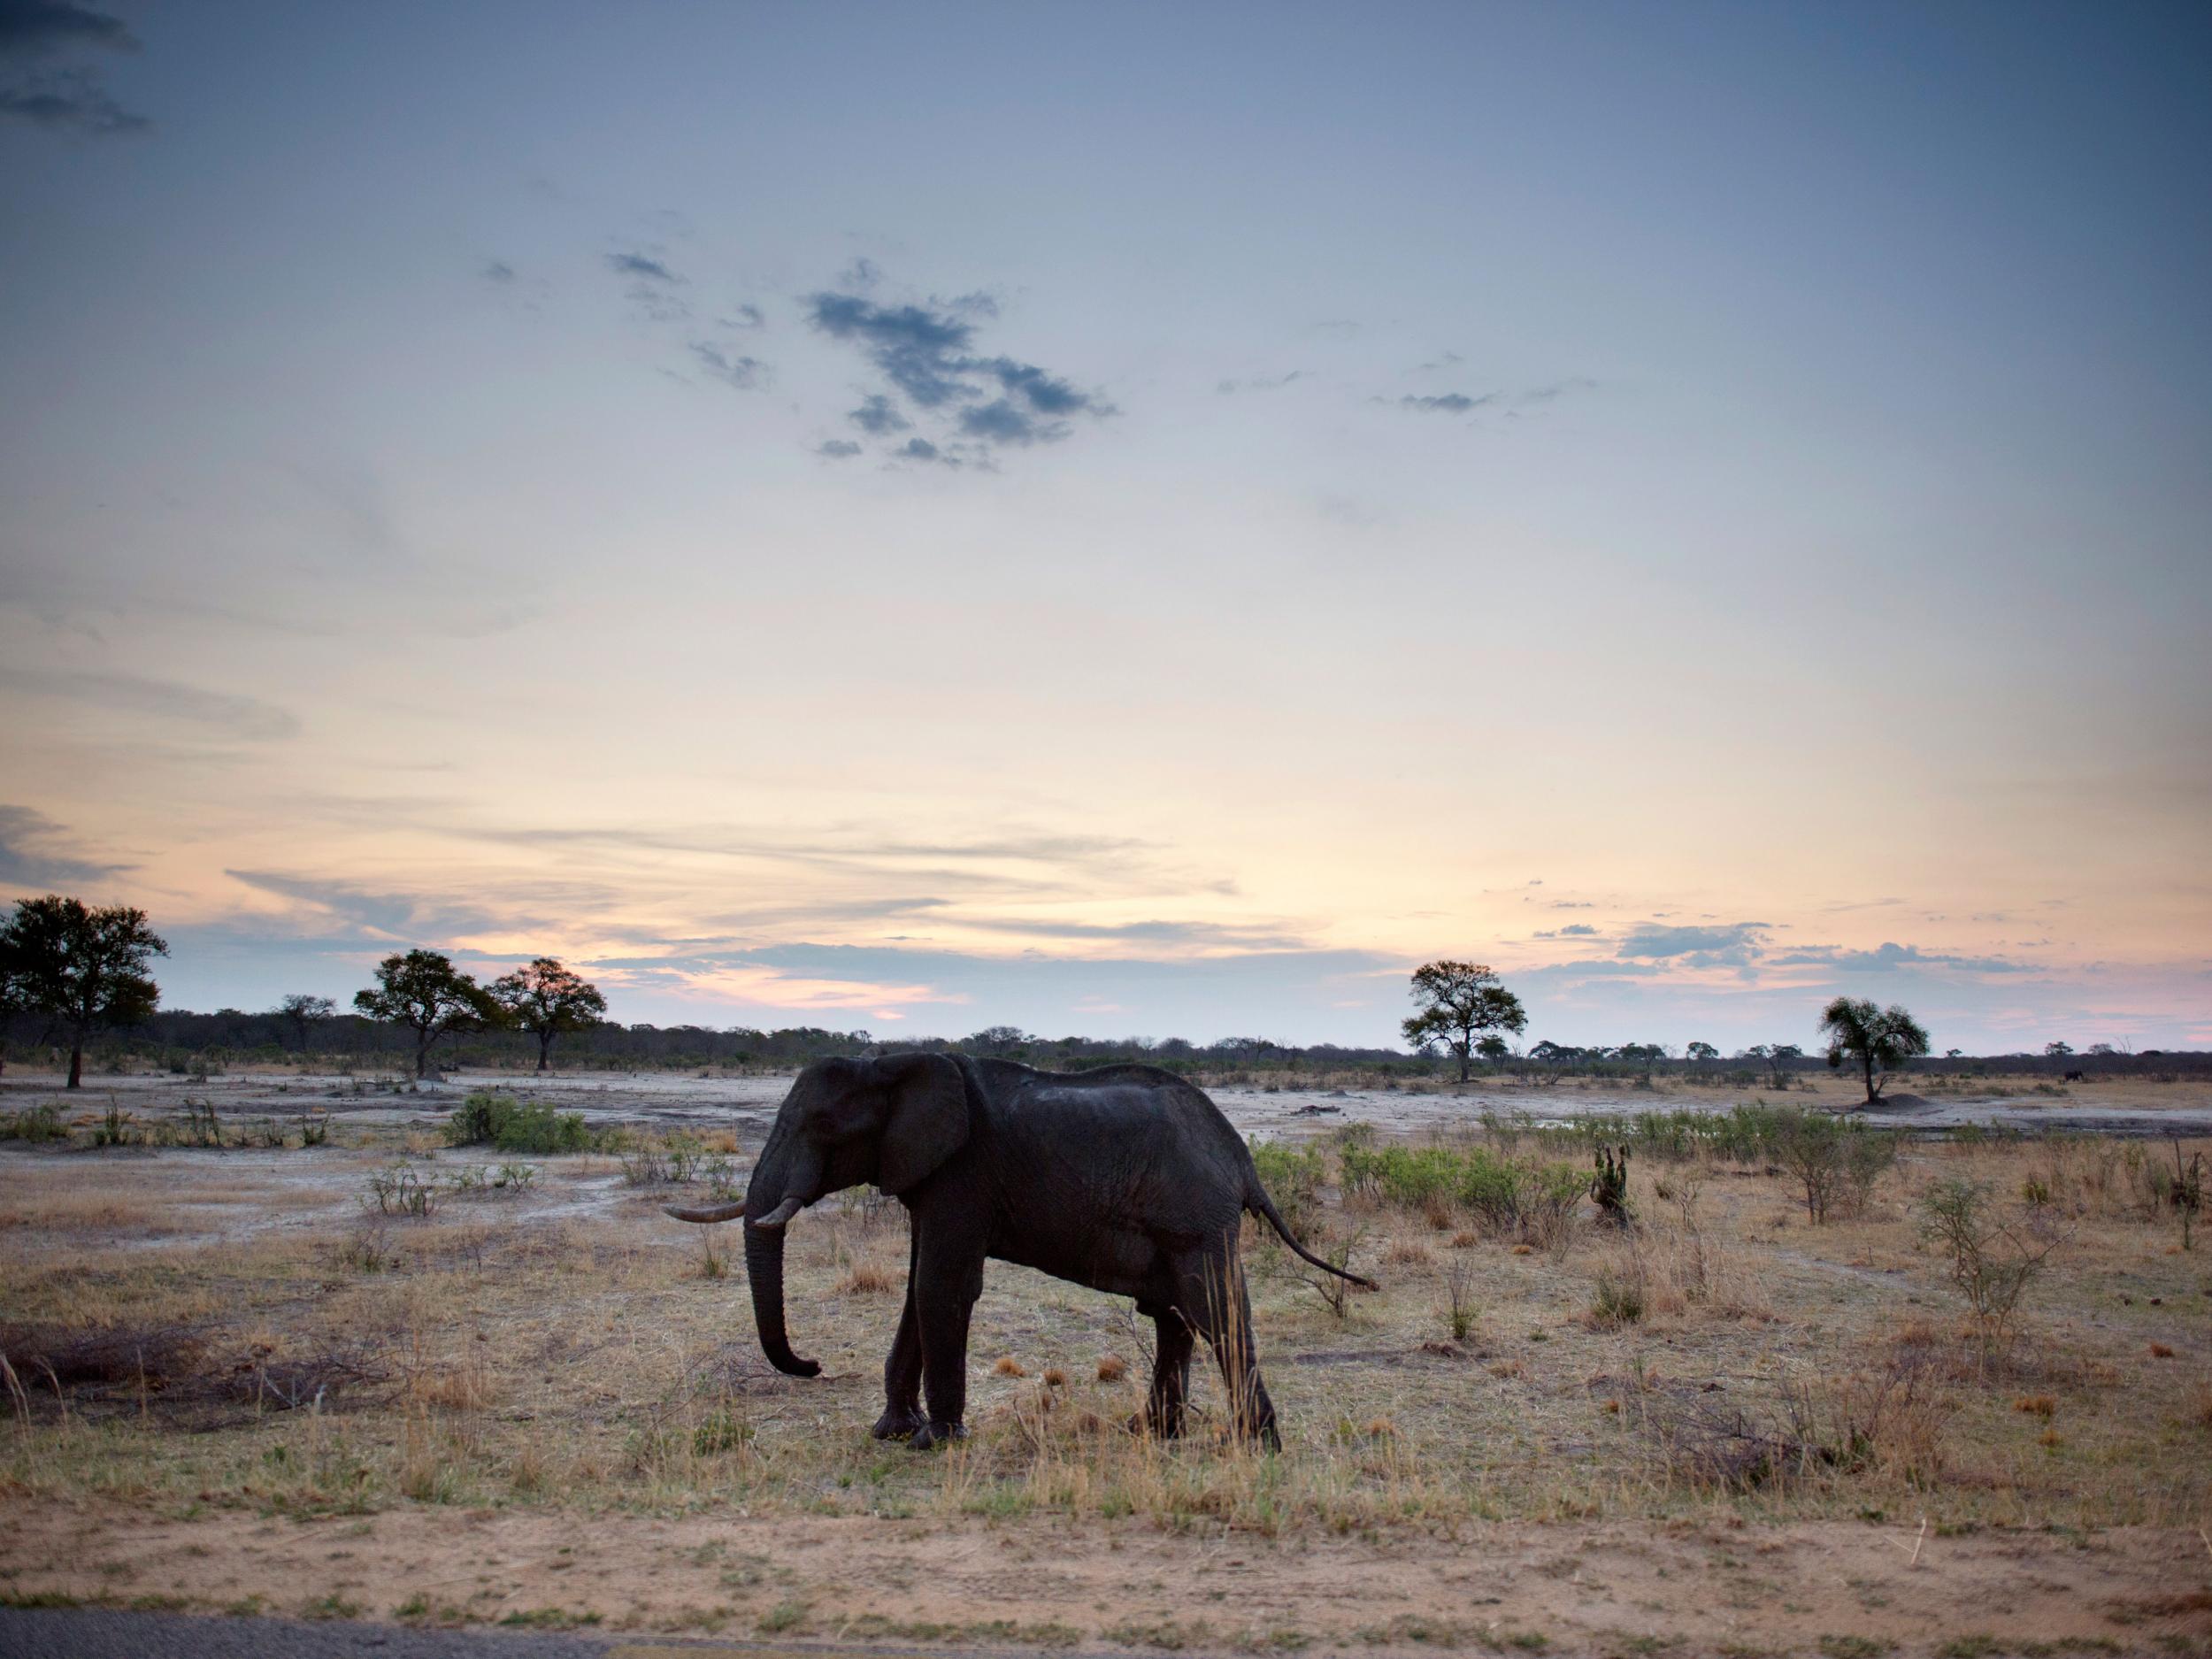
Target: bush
[(35, 1124), (1993, 1262), (487, 1118), (1292, 1176), (1836, 1161)]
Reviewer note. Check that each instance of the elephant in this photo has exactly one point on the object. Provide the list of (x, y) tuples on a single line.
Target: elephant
[(1127, 1178)]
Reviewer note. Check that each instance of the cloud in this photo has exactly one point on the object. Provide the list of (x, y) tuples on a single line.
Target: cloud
[(387, 916), (247, 717), (1218, 935), (745, 317), (26, 861), (923, 449), (498, 271), (1734, 945), (743, 373), (68, 98), (928, 354), (642, 265), (838, 449), (878, 416), (1447, 403), (1573, 930), (1889, 957), (1258, 383)]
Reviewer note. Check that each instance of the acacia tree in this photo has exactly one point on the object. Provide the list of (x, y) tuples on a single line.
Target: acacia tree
[(1879, 1039), (82, 968), (546, 999), (423, 991), (1456, 1003), (303, 1013)]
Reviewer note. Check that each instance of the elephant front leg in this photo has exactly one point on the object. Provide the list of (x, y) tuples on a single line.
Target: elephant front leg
[(948, 1278), (902, 1372)]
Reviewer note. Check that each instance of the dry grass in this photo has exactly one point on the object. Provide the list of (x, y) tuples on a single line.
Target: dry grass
[(562, 1348)]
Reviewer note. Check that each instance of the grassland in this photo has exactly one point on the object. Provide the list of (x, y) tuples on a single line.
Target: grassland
[(237, 1382)]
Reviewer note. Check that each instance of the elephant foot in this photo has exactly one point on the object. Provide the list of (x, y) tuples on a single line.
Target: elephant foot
[(896, 1425), (931, 1434)]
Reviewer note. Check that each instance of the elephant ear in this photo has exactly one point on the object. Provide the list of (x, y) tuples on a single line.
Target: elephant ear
[(928, 1121)]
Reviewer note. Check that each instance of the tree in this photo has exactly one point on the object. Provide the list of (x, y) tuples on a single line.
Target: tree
[(1493, 1048), (1880, 1039), (2058, 1050), (546, 999), (998, 1039), (1701, 1052), (82, 968), (423, 991), (302, 1014), (1457, 1001)]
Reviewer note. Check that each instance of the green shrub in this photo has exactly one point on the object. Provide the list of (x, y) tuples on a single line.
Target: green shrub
[(1293, 1177), (487, 1118)]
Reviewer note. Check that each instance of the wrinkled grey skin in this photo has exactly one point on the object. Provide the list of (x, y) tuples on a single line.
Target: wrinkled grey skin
[(1127, 1178)]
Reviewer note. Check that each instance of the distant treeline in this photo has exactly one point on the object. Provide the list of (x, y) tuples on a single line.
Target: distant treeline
[(186, 1042)]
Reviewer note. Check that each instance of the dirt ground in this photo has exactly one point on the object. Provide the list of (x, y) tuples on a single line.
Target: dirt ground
[(1606, 1587), (540, 1403)]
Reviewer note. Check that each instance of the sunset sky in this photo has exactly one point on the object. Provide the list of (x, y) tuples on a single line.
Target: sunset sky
[(1122, 520)]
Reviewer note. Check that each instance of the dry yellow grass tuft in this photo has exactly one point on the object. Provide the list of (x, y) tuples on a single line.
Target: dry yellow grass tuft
[(866, 1279), (1112, 1368), (1008, 1366), (1054, 1378), (2036, 1405), (2160, 1350), (1408, 1252)]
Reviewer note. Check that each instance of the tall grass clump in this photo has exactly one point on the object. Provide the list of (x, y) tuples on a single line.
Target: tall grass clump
[(1293, 1177)]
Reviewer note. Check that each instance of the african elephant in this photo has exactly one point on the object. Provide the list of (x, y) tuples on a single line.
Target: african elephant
[(1125, 1178)]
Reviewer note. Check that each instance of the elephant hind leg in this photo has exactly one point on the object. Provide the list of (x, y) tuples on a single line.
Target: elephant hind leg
[(1213, 1298), (1163, 1405), (903, 1368)]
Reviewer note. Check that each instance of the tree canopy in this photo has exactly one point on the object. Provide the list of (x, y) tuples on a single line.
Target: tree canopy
[(82, 968), (423, 991), (1879, 1039), (1456, 1002), (546, 999)]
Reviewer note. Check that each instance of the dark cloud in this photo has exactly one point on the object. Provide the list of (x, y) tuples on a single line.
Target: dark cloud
[(745, 373), (498, 271), (1577, 930), (642, 265), (1447, 403), (923, 449), (389, 916), (247, 717), (32, 28), (863, 272), (878, 416), (745, 317), (838, 449), (28, 858), (1001, 422), (928, 353), (69, 100)]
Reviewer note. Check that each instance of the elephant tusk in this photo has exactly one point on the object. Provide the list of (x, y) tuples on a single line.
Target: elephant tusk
[(707, 1214), (781, 1214)]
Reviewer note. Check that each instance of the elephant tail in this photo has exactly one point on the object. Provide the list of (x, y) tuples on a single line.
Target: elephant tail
[(1257, 1203)]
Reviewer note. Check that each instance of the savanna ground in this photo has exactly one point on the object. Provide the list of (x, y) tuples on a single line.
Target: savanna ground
[(236, 1384)]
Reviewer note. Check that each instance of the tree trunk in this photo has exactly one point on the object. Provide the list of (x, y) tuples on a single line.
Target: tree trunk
[(422, 1055), (76, 1064), (1871, 1093), (1463, 1053), (545, 1046)]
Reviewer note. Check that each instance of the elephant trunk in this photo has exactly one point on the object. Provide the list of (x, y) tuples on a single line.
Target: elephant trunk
[(764, 1266), (764, 1258)]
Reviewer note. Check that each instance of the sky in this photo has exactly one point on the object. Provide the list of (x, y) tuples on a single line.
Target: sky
[(1123, 520)]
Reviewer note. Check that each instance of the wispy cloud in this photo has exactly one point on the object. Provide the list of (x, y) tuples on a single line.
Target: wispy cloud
[(247, 717), (71, 98), (33, 852), (745, 373)]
